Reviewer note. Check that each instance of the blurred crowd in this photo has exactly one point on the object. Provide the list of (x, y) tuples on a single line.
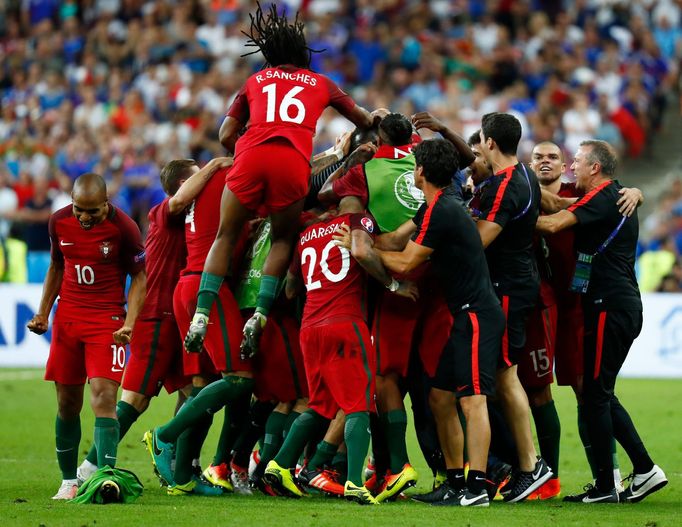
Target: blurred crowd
[(120, 87)]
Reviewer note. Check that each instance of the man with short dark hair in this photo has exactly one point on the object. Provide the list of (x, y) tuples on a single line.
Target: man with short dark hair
[(94, 247), (443, 232), (606, 242), (509, 207)]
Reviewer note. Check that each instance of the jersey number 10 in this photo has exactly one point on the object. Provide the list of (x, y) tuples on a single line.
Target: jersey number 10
[(310, 254), (287, 102)]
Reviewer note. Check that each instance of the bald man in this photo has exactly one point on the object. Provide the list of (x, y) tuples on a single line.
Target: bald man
[(94, 247)]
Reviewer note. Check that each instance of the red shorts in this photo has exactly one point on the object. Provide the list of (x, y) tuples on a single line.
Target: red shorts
[(435, 325), (569, 343), (536, 363), (278, 369), (273, 174), (339, 363), (85, 349), (155, 358), (224, 329), (393, 332)]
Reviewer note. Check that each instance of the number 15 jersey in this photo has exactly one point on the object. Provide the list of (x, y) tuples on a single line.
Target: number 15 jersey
[(334, 280), (286, 102)]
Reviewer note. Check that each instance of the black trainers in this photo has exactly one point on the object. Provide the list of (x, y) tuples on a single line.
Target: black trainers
[(496, 477), (641, 485), (465, 498), (526, 482), (443, 492), (593, 495)]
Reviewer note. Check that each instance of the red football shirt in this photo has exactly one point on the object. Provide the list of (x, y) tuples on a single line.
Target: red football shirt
[(201, 222), (285, 101), (166, 256), (561, 250), (95, 263), (354, 182), (334, 280)]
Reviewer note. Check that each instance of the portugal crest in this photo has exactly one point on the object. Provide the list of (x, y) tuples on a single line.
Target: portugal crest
[(105, 249)]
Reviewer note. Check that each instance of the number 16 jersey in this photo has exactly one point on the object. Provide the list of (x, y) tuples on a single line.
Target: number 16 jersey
[(286, 102), (334, 280)]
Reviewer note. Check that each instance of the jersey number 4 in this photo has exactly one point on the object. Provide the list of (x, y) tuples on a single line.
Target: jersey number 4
[(288, 101), (309, 254)]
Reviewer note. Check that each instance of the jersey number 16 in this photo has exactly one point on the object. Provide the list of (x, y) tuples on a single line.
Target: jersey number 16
[(287, 102)]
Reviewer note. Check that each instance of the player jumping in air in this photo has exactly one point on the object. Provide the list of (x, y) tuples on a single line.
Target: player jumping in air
[(282, 104)]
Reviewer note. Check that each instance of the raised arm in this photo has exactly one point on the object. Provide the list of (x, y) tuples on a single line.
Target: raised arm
[(426, 120), (195, 183)]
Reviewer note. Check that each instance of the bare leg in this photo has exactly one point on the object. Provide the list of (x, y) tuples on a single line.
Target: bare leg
[(450, 434), (515, 405), (478, 430)]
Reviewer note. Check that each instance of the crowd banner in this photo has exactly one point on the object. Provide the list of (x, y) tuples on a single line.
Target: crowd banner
[(657, 352)]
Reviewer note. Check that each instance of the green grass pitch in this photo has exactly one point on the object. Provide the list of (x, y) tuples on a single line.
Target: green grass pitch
[(29, 474)]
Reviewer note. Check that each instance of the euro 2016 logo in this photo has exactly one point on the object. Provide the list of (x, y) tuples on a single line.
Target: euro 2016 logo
[(408, 195)]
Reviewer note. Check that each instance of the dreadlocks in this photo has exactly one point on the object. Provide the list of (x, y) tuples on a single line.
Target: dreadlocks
[(279, 41)]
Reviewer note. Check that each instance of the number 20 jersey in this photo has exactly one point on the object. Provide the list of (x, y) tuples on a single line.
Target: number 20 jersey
[(286, 102), (95, 263), (334, 280)]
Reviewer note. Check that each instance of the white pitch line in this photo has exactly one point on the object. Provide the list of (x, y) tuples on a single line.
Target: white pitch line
[(21, 375)]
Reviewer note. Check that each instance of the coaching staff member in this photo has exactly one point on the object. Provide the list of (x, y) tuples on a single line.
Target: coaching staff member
[(612, 309)]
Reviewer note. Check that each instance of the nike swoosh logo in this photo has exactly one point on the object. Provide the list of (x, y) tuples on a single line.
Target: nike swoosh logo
[(536, 475), (543, 374), (635, 488), (116, 370), (107, 456), (392, 485), (64, 244), (465, 502), (66, 450), (587, 499)]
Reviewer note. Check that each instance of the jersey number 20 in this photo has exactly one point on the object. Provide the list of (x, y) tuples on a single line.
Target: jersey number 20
[(287, 102), (310, 254)]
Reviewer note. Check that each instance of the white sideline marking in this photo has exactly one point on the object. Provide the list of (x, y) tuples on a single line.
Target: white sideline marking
[(21, 375)]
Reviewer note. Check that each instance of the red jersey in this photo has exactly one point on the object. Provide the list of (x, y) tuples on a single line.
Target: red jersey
[(201, 222), (561, 250), (165, 254), (286, 102), (95, 262), (334, 280)]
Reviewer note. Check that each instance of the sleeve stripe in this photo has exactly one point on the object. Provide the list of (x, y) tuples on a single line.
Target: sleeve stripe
[(500, 194), (587, 197), (427, 219)]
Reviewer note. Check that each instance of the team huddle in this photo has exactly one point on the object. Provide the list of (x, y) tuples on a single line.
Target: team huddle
[(307, 296)]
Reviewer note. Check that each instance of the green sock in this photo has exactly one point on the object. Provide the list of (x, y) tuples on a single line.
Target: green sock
[(396, 429), (323, 455), (585, 439), (290, 421), (208, 291), (127, 415), (274, 435), (356, 435), (236, 414), (67, 439), (340, 463), (188, 446), (106, 440), (300, 433), (210, 399), (269, 286), (548, 430)]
